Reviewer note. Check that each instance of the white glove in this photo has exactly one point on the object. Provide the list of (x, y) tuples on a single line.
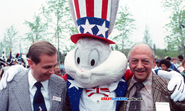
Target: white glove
[(179, 93), (176, 79), (9, 75)]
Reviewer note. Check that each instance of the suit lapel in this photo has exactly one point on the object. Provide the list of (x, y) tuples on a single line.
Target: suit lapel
[(159, 89), (123, 104), (154, 85), (54, 91), (75, 95), (123, 107), (121, 90), (21, 92)]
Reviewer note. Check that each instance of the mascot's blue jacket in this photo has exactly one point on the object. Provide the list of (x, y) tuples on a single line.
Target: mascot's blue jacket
[(73, 94)]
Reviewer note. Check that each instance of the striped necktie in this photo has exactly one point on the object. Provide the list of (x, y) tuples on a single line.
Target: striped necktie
[(135, 105)]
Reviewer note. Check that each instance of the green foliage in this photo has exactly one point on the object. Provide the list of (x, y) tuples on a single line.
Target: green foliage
[(160, 53), (38, 29), (1, 48), (56, 12), (59, 58), (147, 39), (116, 47), (175, 40), (10, 39), (125, 25), (71, 47), (62, 56), (172, 4), (58, 16)]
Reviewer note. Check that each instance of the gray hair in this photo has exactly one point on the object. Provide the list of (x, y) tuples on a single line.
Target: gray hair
[(153, 54)]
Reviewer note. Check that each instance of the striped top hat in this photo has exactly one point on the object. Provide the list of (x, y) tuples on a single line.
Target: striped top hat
[(93, 18)]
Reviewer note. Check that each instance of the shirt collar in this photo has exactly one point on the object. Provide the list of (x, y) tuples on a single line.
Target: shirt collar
[(147, 83), (32, 81)]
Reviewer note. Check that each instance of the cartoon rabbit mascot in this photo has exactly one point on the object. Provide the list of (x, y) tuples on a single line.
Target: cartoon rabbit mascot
[(93, 69)]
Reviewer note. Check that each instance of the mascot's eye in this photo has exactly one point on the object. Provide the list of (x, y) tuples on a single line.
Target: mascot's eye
[(93, 57), (77, 56), (78, 60), (92, 62)]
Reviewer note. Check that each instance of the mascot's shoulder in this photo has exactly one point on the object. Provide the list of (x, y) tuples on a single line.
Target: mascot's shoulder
[(128, 74), (64, 77)]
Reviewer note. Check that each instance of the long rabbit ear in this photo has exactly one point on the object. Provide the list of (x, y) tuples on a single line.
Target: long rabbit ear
[(114, 9), (72, 11)]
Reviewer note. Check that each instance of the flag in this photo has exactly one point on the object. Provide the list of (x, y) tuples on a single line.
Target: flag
[(20, 56), (3, 54), (9, 59), (10, 54)]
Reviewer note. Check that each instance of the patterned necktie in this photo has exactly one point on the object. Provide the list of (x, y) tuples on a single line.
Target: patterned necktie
[(38, 100), (135, 105)]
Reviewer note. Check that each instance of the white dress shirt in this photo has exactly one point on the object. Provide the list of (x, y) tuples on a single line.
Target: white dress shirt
[(146, 93), (33, 88)]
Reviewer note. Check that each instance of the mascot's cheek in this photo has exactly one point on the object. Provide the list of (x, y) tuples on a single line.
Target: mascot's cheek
[(83, 77)]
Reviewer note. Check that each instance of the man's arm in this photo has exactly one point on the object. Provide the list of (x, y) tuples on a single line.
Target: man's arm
[(179, 105), (176, 80), (174, 68), (4, 99), (9, 75)]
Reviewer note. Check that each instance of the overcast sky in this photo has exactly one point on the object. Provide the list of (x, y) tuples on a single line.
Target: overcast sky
[(152, 14), (145, 12), (15, 12)]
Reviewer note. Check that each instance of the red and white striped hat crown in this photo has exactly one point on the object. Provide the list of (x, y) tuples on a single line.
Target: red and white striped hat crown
[(94, 18)]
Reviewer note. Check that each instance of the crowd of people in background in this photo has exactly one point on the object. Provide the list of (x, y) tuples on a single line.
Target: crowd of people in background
[(171, 63), (59, 69), (167, 64), (6, 63)]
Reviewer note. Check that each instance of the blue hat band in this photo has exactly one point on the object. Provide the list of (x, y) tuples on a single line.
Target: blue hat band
[(94, 26)]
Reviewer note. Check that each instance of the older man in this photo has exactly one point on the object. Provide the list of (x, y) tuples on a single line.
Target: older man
[(145, 85)]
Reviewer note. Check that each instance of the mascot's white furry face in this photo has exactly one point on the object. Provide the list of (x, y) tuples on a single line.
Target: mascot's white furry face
[(92, 63)]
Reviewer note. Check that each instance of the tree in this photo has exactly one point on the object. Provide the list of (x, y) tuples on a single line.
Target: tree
[(10, 39), (147, 39), (176, 38), (1, 47), (154, 47), (55, 11), (58, 16), (38, 29), (125, 25)]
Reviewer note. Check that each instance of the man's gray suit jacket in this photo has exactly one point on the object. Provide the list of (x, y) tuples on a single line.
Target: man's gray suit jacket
[(16, 96)]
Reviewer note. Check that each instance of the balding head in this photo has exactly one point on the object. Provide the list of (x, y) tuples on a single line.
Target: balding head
[(141, 61), (141, 46)]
